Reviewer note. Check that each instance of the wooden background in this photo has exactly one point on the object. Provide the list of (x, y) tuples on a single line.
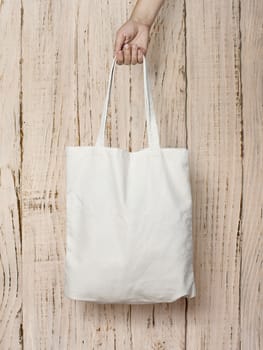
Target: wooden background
[(205, 65)]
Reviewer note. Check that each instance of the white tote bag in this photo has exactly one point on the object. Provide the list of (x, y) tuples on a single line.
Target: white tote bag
[(129, 219)]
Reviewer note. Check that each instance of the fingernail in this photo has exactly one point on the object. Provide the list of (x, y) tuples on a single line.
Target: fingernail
[(126, 46)]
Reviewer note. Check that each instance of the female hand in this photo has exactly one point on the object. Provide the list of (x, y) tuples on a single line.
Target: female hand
[(131, 42)]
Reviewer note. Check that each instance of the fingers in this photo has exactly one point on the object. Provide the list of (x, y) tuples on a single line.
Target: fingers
[(134, 54), (130, 54), (127, 54), (119, 57), (140, 56)]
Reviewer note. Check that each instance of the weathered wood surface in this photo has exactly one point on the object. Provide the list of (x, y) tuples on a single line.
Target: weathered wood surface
[(205, 63), (11, 328)]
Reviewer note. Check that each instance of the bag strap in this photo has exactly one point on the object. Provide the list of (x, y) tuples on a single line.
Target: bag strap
[(152, 129)]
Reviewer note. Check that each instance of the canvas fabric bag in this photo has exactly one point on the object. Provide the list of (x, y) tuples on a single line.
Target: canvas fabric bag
[(129, 219)]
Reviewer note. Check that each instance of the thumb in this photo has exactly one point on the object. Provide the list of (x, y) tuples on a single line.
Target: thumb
[(119, 41)]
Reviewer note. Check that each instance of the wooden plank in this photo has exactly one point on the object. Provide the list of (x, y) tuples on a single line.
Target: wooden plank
[(252, 224), (11, 331), (214, 125), (49, 113)]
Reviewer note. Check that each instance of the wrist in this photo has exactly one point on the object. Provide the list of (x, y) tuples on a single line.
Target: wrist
[(141, 20)]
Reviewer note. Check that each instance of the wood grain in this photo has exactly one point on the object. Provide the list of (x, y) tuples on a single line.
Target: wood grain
[(205, 69), (11, 135), (215, 137), (252, 149), (48, 116)]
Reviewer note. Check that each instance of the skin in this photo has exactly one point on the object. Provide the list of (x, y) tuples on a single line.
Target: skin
[(132, 38)]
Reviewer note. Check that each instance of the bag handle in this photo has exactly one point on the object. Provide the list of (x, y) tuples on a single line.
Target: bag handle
[(152, 129)]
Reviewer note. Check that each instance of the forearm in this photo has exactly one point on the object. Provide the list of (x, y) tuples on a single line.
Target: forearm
[(145, 11)]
